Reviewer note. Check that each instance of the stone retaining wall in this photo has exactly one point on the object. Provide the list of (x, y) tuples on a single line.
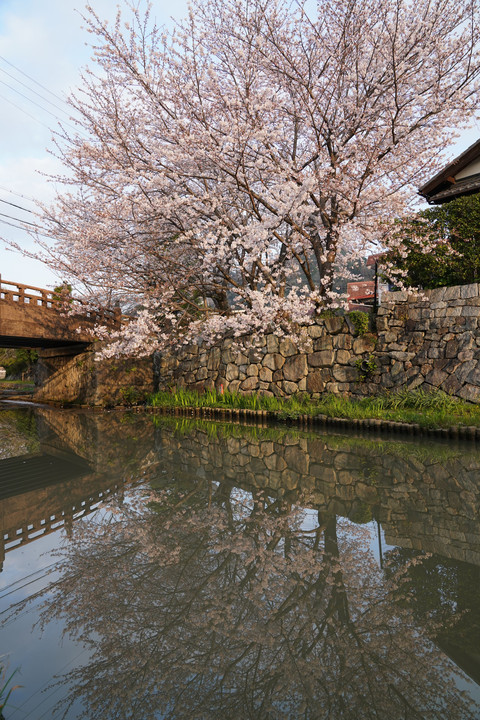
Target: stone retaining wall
[(431, 341), (325, 361)]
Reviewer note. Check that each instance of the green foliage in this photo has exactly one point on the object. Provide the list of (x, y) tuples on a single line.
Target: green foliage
[(426, 408), (455, 229), (366, 368), (63, 293), (329, 313), (131, 395), (360, 320), (18, 362), (6, 688)]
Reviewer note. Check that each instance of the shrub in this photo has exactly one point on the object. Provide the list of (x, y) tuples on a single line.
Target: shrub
[(454, 228), (360, 320)]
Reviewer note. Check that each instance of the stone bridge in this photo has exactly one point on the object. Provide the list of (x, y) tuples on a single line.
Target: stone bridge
[(39, 318), (60, 327)]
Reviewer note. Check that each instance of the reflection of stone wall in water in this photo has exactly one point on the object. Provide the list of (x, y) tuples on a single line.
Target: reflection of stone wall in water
[(421, 502)]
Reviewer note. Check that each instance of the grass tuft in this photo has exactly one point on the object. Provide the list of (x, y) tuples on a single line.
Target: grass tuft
[(426, 408)]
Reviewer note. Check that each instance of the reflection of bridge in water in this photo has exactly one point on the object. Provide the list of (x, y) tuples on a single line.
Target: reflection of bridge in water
[(60, 483), (36, 498)]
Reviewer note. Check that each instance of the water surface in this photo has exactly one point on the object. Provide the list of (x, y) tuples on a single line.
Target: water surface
[(160, 568)]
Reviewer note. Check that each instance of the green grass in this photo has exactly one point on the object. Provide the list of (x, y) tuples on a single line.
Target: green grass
[(426, 408), (17, 385)]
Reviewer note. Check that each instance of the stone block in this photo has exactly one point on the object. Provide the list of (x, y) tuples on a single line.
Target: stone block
[(343, 357), (323, 343), (436, 295), (452, 293), (250, 383), (455, 311), (314, 331), (451, 385), (362, 345), (397, 368), (438, 305), (265, 374), (228, 356), (342, 342), (315, 382), (287, 347), (469, 291), (435, 352), (345, 374), (254, 356), (394, 297), (334, 325), (451, 349), (202, 373), (295, 368), (273, 344), (471, 393), (466, 355), (436, 377), (252, 370), (470, 311), (323, 358), (402, 356), (289, 387), (231, 372), (414, 314), (463, 371), (273, 361), (214, 358), (474, 376), (382, 324)]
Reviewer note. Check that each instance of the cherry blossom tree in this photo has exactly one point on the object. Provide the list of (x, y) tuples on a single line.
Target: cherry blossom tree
[(225, 172)]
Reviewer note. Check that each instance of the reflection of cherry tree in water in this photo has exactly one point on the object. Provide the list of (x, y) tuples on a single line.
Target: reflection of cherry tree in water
[(220, 604), (445, 591)]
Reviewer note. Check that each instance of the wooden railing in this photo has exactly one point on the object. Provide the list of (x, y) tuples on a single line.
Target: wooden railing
[(12, 292)]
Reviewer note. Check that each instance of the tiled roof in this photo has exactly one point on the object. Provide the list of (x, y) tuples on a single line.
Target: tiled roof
[(462, 187), (443, 187)]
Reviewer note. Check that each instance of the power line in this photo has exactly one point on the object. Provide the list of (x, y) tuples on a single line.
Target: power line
[(35, 92), (20, 207), (37, 104), (19, 227), (31, 78), (12, 192), (24, 222), (24, 111)]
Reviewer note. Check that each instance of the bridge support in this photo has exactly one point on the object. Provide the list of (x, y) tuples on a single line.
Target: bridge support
[(88, 379), (50, 360)]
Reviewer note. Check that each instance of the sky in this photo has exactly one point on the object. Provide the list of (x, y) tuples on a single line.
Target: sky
[(43, 47)]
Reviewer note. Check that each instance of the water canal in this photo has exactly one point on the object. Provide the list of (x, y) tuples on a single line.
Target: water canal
[(164, 568)]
